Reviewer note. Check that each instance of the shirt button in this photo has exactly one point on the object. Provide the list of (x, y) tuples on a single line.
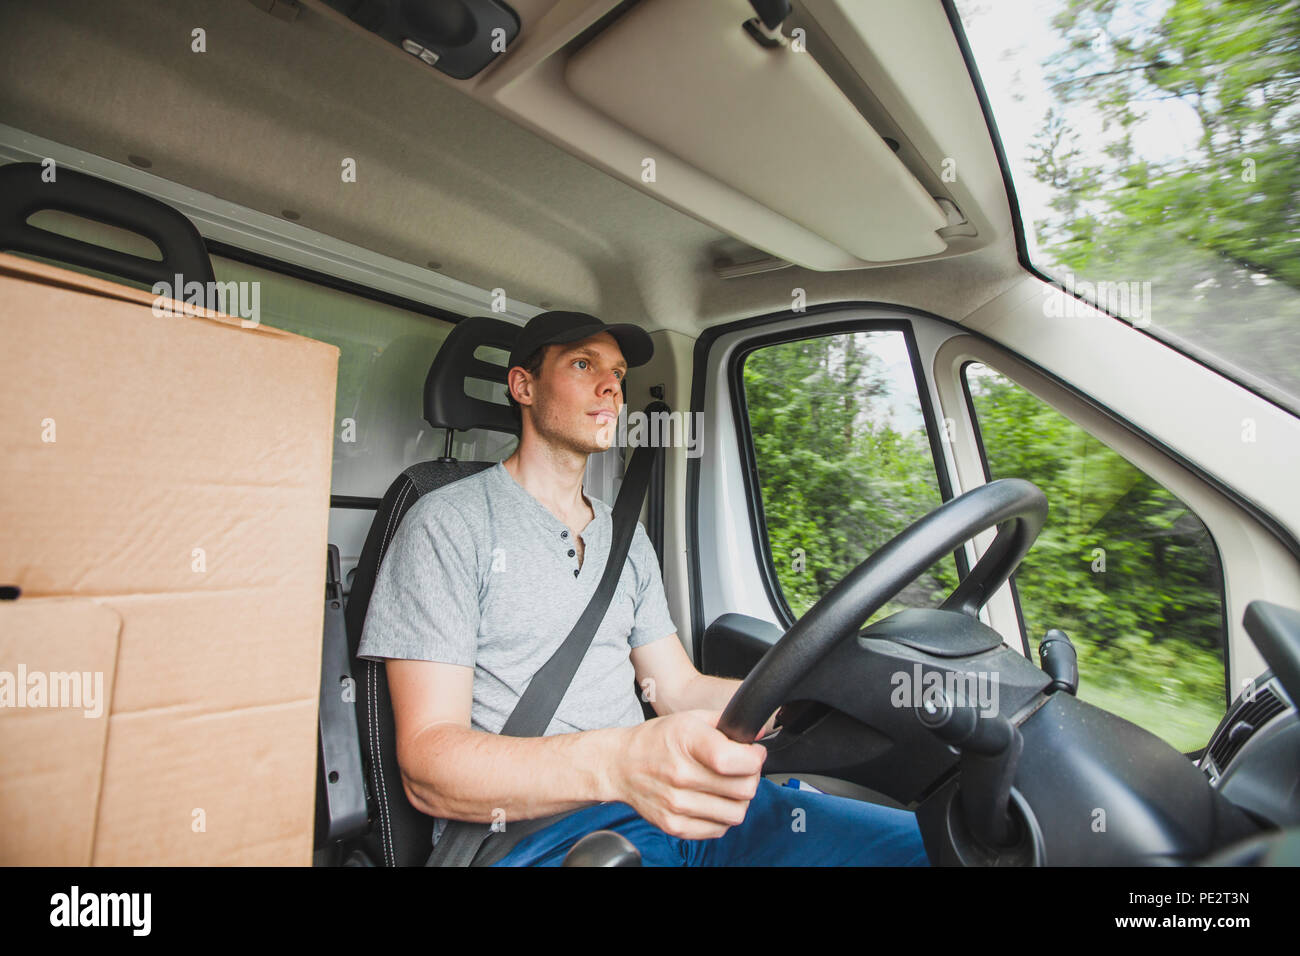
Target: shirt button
[(575, 572), (572, 552), (564, 534)]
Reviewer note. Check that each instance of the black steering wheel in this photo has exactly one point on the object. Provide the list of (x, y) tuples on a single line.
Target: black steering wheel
[(1017, 507)]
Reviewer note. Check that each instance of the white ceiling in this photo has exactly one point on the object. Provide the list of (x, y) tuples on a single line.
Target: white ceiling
[(265, 117)]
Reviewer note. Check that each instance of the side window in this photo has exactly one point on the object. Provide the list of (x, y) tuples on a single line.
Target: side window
[(844, 460), (384, 355), (1122, 566)]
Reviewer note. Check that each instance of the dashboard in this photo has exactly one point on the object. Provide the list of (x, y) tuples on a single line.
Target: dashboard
[(1253, 758)]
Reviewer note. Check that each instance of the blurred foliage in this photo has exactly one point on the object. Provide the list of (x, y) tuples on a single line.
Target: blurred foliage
[(1216, 228), (1122, 566), (838, 479), (840, 476)]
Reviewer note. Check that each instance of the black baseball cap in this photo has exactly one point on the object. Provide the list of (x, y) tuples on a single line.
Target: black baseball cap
[(559, 328)]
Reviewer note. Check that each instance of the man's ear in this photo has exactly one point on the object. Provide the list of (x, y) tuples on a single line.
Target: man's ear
[(521, 380)]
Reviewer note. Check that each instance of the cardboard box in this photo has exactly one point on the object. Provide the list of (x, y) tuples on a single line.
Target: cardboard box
[(174, 469), (57, 746)]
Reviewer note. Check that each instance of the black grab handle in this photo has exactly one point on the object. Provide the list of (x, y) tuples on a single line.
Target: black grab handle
[(24, 192)]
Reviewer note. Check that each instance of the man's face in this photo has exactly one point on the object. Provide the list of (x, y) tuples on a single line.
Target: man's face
[(577, 396)]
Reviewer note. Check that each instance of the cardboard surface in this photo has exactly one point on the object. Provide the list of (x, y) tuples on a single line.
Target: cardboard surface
[(218, 788), (52, 740), (176, 470)]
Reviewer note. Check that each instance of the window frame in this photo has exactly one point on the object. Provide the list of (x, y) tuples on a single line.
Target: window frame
[(757, 519), (324, 280)]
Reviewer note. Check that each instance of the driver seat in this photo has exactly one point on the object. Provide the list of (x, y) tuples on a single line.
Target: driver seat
[(399, 834)]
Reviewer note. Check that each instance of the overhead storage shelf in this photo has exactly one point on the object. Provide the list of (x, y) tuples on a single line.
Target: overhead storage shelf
[(686, 77)]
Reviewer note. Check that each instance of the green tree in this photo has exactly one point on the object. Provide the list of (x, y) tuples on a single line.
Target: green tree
[(1122, 566), (837, 478), (1215, 230)]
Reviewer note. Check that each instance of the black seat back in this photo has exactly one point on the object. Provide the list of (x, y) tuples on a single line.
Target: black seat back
[(399, 834), (26, 189)]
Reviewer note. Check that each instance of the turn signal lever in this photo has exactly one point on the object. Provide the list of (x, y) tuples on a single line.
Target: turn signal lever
[(1057, 656), (990, 748)]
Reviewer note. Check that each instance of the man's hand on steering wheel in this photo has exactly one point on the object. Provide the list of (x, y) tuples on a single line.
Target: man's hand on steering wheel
[(770, 726)]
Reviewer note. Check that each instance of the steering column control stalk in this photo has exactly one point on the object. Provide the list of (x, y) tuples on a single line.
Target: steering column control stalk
[(1059, 659), (990, 747)]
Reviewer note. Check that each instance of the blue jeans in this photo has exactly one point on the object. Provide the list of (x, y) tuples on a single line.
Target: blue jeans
[(830, 831)]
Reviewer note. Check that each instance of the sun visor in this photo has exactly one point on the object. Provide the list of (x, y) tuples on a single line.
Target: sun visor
[(767, 121)]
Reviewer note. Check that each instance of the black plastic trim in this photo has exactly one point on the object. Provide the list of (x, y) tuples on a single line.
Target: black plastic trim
[(759, 37), (1181, 346), (1276, 632), (655, 510), (235, 253), (358, 502), (24, 191), (772, 12), (605, 21), (463, 50), (340, 779)]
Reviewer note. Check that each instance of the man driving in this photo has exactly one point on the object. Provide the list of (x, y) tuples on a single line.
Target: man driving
[(484, 579)]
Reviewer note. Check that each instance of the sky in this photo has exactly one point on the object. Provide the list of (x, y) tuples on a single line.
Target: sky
[(1011, 39)]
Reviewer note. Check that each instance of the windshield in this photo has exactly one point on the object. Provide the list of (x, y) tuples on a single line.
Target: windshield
[(1155, 152)]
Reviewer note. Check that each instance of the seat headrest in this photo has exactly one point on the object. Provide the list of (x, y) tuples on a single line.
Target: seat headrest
[(26, 190), (446, 402)]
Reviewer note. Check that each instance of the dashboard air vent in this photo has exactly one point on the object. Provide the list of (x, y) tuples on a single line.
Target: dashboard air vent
[(1250, 716)]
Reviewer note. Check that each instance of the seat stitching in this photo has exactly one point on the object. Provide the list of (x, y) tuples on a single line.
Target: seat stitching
[(397, 509), (376, 770), (385, 832), (388, 810), (388, 525), (372, 680)]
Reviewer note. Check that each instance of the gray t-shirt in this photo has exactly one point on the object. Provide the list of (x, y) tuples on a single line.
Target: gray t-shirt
[(481, 574)]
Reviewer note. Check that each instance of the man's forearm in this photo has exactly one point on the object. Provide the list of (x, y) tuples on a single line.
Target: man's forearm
[(707, 693), (713, 693), (458, 773)]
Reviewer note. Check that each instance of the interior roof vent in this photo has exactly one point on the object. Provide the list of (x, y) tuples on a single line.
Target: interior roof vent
[(456, 37)]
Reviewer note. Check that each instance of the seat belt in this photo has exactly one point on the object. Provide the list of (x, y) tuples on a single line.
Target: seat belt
[(461, 840)]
